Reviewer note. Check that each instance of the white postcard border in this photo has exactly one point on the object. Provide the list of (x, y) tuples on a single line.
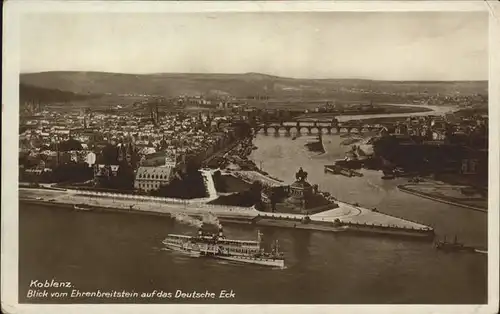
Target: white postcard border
[(10, 118)]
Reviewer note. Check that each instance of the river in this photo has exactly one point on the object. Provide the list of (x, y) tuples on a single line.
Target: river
[(436, 110), (111, 251)]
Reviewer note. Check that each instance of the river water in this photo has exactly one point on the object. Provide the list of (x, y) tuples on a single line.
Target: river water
[(436, 110), (110, 251)]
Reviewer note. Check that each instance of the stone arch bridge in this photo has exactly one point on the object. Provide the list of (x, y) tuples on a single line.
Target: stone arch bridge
[(318, 126)]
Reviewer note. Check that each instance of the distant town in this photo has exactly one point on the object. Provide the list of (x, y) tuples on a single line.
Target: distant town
[(156, 146)]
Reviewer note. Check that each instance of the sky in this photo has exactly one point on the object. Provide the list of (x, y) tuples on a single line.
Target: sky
[(379, 45)]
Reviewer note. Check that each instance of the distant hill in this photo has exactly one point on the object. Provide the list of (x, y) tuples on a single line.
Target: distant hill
[(29, 93), (238, 85)]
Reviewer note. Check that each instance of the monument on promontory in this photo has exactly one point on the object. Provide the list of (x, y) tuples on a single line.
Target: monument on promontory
[(304, 197)]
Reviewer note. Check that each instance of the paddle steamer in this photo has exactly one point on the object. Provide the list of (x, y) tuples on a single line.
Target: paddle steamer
[(219, 247)]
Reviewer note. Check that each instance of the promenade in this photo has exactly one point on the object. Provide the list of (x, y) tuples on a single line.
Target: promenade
[(345, 213), (354, 214), (351, 214), (135, 203), (252, 176)]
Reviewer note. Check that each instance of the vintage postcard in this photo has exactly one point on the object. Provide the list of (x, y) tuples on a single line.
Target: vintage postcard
[(319, 157)]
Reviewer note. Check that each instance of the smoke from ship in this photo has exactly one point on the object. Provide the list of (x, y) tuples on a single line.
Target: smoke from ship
[(211, 219), (183, 218)]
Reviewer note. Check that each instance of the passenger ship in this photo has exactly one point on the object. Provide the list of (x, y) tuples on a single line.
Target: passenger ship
[(219, 247)]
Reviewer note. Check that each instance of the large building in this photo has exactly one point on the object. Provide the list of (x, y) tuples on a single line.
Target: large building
[(161, 159), (152, 178), (104, 173)]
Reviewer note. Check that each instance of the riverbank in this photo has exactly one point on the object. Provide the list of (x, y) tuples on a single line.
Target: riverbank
[(354, 218), (376, 110), (237, 157), (443, 193)]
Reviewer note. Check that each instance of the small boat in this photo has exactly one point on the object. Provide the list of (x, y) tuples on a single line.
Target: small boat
[(345, 172), (83, 207), (329, 169), (356, 173), (351, 162), (388, 175), (400, 172), (315, 146), (454, 246), (415, 180), (335, 169)]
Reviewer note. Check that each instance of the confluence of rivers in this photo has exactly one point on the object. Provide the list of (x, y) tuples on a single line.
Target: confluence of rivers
[(113, 251)]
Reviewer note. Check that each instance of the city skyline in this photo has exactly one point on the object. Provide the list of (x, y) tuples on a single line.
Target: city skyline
[(377, 46)]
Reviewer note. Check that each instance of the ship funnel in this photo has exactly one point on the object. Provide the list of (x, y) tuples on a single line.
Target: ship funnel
[(221, 233), (200, 232)]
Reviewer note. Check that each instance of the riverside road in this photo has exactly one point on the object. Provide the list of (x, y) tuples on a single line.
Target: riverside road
[(344, 212)]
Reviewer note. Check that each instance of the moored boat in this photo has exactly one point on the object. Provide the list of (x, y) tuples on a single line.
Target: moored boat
[(83, 207), (388, 175), (454, 246)]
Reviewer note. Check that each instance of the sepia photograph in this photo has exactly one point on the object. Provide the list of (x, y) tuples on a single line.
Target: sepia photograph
[(252, 157)]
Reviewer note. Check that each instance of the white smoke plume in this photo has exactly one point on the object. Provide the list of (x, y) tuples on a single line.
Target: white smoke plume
[(212, 219), (183, 218)]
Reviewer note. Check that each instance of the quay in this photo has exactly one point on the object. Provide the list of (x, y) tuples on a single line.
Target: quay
[(420, 192), (252, 176), (351, 217)]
